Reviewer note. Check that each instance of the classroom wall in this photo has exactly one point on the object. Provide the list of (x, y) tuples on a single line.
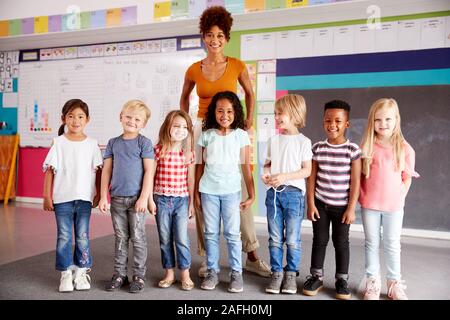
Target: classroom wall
[(434, 221)]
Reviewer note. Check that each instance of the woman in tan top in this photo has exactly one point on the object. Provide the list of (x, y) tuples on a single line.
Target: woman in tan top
[(216, 73)]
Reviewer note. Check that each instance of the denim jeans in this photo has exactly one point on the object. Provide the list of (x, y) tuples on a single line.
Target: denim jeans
[(69, 215), (284, 220), (217, 208), (128, 225), (172, 221), (321, 235), (392, 229)]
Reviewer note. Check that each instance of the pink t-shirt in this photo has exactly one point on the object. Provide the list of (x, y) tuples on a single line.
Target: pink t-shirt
[(384, 190)]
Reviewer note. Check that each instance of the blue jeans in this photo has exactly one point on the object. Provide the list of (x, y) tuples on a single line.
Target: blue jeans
[(223, 207), (285, 226), (68, 215), (172, 221), (392, 228)]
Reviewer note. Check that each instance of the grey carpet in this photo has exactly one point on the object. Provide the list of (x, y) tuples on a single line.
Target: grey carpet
[(34, 278)]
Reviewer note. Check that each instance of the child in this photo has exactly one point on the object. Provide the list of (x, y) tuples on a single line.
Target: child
[(333, 189), (70, 190), (287, 164), (129, 166), (174, 195), (225, 145), (388, 165)]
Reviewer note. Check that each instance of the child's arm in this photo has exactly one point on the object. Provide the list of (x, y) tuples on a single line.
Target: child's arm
[(146, 196), (104, 186), (48, 188), (248, 178), (280, 178), (98, 181), (266, 173), (407, 184), (312, 213), (191, 188), (199, 168), (355, 177)]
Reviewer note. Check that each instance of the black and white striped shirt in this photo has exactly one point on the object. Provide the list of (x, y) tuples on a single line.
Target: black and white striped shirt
[(334, 168)]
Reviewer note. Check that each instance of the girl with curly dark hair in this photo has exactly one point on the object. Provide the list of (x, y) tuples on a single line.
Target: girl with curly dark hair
[(225, 147), (218, 72)]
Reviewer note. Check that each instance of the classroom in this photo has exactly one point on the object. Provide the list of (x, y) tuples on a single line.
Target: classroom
[(109, 52)]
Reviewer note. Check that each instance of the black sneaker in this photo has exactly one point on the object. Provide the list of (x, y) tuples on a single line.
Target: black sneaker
[(342, 290), (137, 285), (116, 282), (312, 285)]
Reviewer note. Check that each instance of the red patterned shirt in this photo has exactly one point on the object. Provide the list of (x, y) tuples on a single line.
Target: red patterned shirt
[(171, 177)]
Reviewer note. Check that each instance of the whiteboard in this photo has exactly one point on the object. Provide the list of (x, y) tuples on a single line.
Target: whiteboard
[(105, 84)]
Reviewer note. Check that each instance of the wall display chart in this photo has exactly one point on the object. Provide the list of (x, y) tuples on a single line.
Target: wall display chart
[(105, 84)]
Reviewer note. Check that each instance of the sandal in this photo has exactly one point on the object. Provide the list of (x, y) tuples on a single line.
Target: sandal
[(166, 283), (187, 285), (137, 285), (116, 282)]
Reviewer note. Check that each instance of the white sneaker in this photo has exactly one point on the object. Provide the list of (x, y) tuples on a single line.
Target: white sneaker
[(66, 282), (396, 290), (373, 288), (82, 279), (260, 267)]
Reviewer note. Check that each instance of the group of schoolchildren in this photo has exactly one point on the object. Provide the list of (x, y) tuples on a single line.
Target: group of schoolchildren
[(325, 179)]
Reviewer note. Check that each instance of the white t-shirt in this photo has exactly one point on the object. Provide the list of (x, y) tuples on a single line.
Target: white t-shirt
[(74, 164), (286, 154)]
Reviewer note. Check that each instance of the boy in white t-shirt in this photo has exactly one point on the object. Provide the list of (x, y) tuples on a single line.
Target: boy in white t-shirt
[(287, 164)]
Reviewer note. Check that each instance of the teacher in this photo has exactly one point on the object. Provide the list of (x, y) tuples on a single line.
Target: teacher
[(217, 73)]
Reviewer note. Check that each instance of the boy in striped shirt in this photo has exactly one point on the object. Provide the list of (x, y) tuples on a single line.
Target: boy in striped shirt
[(332, 193)]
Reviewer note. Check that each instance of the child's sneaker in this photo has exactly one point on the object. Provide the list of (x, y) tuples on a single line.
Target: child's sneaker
[(137, 285), (117, 281), (259, 267), (66, 282), (290, 283), (236, 282), (275, 283), (82, 280), (312, 285), (396, 290), (342, 290), (373, 288), (211, 280)]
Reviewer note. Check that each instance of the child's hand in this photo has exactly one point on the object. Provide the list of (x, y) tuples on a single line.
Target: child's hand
[(48, 204), (348, 217), (152, 207), (246, 204), (103, 205), (266, 179), (95, 201), (141, 205), (191, 210), (313, 213), (277, 179)]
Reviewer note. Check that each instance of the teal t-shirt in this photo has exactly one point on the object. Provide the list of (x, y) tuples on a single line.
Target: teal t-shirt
[(222, 174)]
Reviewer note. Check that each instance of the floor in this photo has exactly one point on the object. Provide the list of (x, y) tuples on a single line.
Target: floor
[(27, 231)]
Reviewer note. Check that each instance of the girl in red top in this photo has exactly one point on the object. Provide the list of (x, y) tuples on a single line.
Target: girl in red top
[(173, 195)]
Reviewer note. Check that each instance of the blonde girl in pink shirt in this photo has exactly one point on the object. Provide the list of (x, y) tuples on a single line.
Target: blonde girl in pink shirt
[(388, 166)]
